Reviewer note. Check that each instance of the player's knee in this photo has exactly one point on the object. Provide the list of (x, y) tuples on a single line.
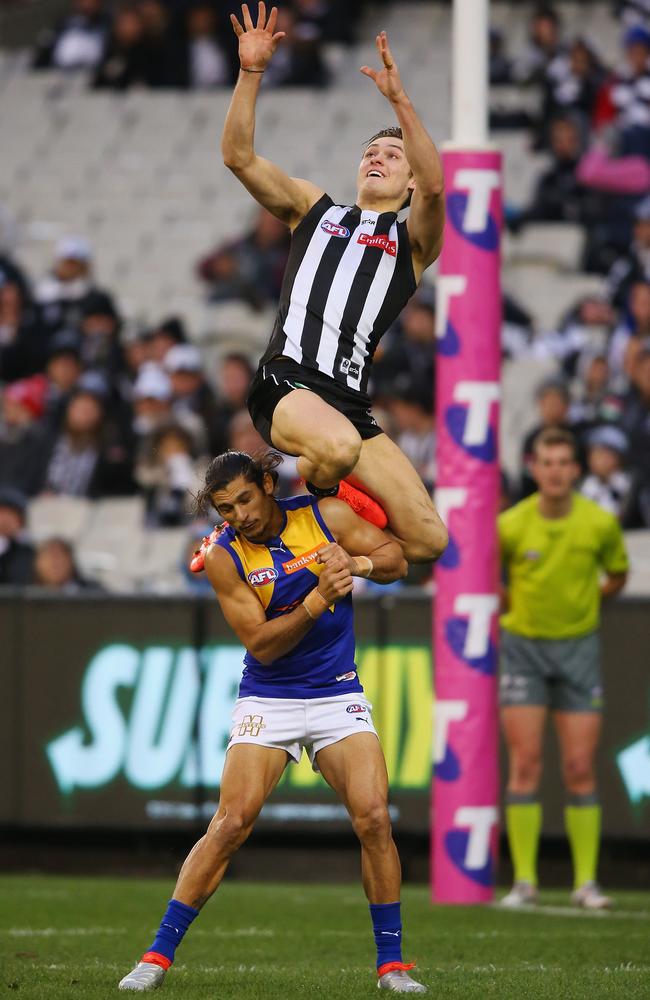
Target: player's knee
[(578, 770), (339, 453), (231, 830), (525, 771), (373, 823), (431, 541)]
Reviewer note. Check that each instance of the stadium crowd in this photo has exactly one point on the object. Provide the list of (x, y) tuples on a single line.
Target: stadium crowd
[(91, 406)]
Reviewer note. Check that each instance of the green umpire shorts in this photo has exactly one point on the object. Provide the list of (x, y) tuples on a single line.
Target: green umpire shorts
[(562, 674)]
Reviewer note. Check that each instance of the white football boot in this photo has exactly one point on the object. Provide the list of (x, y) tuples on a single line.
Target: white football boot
[(521, 894), (590, 897), (146, 976), (399, 981)]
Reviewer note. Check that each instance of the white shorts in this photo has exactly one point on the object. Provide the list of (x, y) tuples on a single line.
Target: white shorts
[(293, 723)]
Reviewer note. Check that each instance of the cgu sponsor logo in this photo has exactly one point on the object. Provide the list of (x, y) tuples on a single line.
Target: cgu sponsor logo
[(334, 230), (260, 577), (380, 242)]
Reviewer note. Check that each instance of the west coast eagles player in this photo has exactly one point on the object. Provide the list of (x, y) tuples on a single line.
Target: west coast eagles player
[(283, 573)]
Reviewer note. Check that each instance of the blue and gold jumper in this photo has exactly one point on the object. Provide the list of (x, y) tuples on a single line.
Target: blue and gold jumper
[(281, 572)]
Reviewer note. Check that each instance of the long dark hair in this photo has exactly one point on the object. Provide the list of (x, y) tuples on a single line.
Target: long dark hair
[(231, 464)]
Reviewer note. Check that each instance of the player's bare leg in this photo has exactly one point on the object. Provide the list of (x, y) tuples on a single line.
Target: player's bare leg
[(249, 776), (578, 734), (356, 769), (523, 731), (384, 471)]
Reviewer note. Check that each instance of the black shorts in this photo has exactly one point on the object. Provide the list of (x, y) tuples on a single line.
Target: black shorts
[(280, 376)]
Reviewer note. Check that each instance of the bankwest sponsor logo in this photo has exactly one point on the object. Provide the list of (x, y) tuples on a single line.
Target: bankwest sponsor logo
[(301, 561), (380, 242)]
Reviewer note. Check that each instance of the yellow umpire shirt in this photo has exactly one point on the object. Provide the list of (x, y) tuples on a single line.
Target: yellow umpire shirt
[(554, 567)]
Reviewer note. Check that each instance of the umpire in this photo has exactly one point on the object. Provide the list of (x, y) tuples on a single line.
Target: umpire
[(561, 554)]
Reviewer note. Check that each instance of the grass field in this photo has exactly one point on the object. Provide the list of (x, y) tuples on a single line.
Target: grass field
[(75, 937)]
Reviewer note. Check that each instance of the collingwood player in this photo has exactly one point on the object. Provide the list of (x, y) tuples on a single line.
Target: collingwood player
[(283, 573), (351, 270)]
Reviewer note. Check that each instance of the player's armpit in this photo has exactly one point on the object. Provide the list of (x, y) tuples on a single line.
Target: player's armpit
[(360, 538), (288, 198)]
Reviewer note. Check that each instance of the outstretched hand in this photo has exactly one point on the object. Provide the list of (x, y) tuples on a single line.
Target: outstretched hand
[(257, 43), (387, 79)]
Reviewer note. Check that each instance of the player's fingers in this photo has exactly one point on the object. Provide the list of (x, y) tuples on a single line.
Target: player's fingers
[(279, 35), (273, 17), (236, 26), (248, 23), (386, 53), (261, 14), (367, 71)]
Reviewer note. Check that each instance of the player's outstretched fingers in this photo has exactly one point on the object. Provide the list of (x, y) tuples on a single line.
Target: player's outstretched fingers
[(261, 14), (248, 21), (368, 71), (273, 17), (236, 26)]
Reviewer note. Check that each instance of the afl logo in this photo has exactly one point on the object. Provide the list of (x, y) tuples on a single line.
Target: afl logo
[(355, 709), (333, 229), (260, 577)]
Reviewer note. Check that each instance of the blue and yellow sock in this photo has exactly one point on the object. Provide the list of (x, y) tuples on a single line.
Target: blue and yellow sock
[(523, 824), (173, 927), (582, 816)]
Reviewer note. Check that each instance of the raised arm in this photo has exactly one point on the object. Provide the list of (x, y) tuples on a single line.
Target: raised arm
[(427, 213), (269, 640), (288, 198), (358, 539)]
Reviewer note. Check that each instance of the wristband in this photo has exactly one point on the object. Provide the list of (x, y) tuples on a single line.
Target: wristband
[(315, 604), (363, 569), (245, 70)]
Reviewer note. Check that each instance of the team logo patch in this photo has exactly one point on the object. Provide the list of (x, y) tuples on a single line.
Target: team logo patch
[(260, 577), (379, 242), (334, 230), (301, 561), (351, 368), (251, 725), (355, 709), (351, 674)]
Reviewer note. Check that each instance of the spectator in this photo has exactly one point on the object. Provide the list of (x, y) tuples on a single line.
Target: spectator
[(161, 338), (24, 442), (553, 401), (576, 84), (635, 421), (545, 55), (607, 483), (168, 472), (16, 554), (587, 324), (203, 61), (559, 196), (100, 327), (635, 264), (11, 272), (63, 371), (631, 95), (78, 41), (411, 408), (22, 338), (251, 267), (242, 435), (500, 63), (55, 568), (191, 392), (298, 62), (152, 409), (88, 457), (62, 295), (411, 349), (234, 377), (128, 60), (635, 324), (594, 400), (157, 43)]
